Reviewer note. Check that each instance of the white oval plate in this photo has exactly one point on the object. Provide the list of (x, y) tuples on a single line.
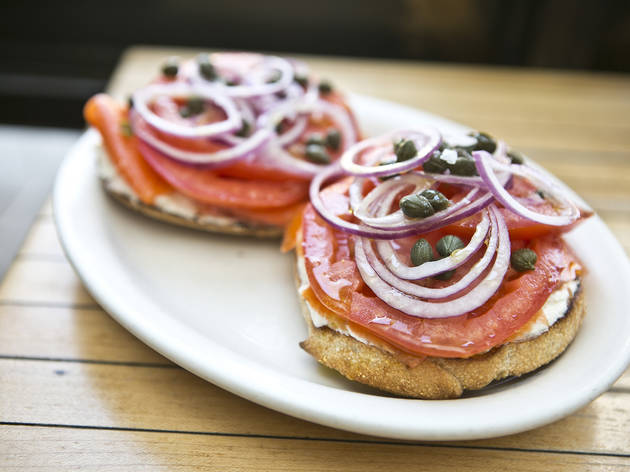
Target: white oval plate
[(225, 308)]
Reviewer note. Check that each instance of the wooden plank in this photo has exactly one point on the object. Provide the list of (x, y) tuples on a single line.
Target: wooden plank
[(69, 333), (47, 208), (42, 240), (43, 282), (43, 449), (173, 399)]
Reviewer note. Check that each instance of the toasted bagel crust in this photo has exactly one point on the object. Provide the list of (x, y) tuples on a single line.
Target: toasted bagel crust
[(152, 211), (435, 377)]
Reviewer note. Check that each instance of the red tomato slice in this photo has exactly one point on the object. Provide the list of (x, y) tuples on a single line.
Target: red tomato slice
[(206, 186), (519, 227), (108, 116), (335, 279)]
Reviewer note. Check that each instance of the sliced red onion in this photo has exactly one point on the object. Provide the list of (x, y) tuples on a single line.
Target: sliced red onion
[(425, 309), (473, 181), (397, 220), (429, 269), (427, 292), (426, 139), (142, 97), (276, 155), (294, 132), (476, 199), (391, 187), (500, 153), (253, 74), (247, 114), (485, 165), (293, 108), (210, 160), (335, 172)]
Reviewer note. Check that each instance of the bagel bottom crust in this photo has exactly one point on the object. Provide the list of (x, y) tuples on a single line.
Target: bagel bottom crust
[(435, 377), (234, 228)]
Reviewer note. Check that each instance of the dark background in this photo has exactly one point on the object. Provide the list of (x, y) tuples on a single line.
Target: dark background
[(54, 55)]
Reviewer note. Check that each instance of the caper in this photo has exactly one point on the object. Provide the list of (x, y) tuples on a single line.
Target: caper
[(170, 67), (437, 199), (445, 275), (485, 142), (469, 148), (541, 194), (185, 112), (421, 252), (463, 166), (405, 149), (325, 87), (276, 75), (416, 206), (435, 165), (130, 102), (317, 154), (279, 127), (301, 79), (245, 129), (206, 69), (516, 157), (316, 138), (194, 106), (125, 129), (333, 139), (523, 259), (231, 83), (447, 244)]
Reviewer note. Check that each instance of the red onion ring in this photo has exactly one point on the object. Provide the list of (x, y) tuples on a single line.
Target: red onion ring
[(427, 140), (485, 166), (392, 187), (277, 156), (416, 307), (334, 172), (293, 133), (255, 76), (429, 269), (179, 89), (455, 211), (426, 292), (216, 159)]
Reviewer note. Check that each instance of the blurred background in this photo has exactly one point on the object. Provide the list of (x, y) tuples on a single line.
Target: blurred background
[(54, 55)]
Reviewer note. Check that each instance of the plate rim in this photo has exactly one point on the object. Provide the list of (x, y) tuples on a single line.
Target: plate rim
[(288, 396)]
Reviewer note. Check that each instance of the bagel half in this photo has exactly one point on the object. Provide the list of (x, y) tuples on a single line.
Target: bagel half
[(436, 377), (176, 209)]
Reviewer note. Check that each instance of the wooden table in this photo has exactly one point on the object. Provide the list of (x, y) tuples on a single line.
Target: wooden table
[(78, 392)]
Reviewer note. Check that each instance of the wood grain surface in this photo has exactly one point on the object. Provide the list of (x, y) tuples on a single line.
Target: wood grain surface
[(78, 392)]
